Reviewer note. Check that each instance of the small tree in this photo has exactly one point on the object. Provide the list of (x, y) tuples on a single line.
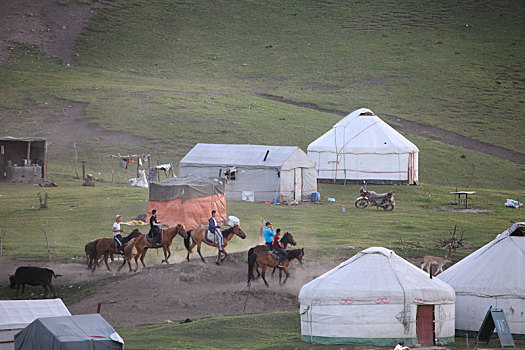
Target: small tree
[(43, 200)]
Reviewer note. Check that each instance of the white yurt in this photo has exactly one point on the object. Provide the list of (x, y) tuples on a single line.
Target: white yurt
[(377, 298), (362, 147), (492, 275)]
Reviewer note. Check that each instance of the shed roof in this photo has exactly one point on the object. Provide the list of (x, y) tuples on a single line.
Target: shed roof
[(240, 155), (23, 139), (19, 313)]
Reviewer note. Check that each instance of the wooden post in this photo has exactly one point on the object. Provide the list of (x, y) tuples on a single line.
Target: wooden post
[(261, 232), (83, 170), (158, 172), (0, 241), (28, 152), (112, 170), (138, 167), (118, 170), (76, 159), (47, 240), (98, 307)]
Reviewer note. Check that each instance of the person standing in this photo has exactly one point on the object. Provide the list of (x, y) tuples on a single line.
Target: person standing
[(117, 232), (215, 228), (268, 235), (278, 247), (155, 230)]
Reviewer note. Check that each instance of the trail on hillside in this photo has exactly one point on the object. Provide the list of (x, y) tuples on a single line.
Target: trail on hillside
[(413, 128)]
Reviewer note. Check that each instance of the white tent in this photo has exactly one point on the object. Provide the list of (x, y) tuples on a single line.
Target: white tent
[(376, 297), (15, 315), (362, 147), (254, 172), (492, 275)]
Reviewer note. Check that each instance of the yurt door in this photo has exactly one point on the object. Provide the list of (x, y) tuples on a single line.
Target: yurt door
[(425, 324), (298, 184), (411, 168)]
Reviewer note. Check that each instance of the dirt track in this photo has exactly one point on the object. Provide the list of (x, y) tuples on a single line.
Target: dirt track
[(182, 290)]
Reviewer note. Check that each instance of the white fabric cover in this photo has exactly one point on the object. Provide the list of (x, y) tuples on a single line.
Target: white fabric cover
[(362, 297), (492, 275), (362, 146), (17, 314)]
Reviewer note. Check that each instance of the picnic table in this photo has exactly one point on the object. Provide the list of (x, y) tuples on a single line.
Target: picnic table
[(461, 198)]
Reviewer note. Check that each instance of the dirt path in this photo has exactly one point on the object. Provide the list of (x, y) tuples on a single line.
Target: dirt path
[(181, 290), (413, 128)]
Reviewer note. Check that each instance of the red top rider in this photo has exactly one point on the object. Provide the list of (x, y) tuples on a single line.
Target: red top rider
[(279, 248)]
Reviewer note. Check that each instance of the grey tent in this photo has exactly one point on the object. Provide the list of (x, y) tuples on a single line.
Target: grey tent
[(69, 333), (254, 172)]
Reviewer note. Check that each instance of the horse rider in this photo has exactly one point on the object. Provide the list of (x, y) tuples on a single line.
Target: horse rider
[(268, 235), (215, 228), (117, 232), (278, 247), (155, 231)]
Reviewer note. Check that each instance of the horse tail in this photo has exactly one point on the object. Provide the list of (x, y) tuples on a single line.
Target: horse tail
[(251, 263), (187, 240), (250, 252), (129, 246), (91, 252)]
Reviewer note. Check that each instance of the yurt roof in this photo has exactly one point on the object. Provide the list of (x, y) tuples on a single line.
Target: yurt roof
[(373, 276), (19, 313), (491, 270), (206, 154), (362, 132)]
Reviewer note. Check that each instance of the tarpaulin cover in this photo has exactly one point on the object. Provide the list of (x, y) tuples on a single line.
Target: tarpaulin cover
[(69, 332), (16, 314), (186, 188), (191, 213)]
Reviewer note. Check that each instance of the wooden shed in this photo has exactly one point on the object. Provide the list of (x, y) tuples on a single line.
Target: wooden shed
[(23, 159)]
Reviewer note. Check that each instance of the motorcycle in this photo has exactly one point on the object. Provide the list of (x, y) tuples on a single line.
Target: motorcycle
[(371, 198)]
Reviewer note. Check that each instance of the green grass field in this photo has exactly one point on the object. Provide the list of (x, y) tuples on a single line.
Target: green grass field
[(192, 71)]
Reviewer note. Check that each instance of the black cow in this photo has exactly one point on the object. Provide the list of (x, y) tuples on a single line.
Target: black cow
[(34, 276)]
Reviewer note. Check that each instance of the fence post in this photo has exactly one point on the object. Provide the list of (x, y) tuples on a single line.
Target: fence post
[(47, 240)]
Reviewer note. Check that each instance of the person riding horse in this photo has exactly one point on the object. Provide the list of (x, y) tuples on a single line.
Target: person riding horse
[(278, 247), (117, 232), (268, 235), (155, 231), (213, 227)]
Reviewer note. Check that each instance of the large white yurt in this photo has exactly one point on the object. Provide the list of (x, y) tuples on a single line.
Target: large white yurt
[(377, 298), (362, 147), (492, 275)]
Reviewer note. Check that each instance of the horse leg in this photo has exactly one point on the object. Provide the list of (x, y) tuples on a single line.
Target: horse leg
[(106, 260), (142, 256), (193, 243), (199, 251), (263, 268), (225, 254), (167, 254), (136, 259), (285, 270), (273, 271)]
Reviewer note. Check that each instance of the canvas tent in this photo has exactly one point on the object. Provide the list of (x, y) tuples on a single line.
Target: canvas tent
[(17, 314), (187, 200), (69, 333), (254, 172), (492, 275), (362, 147), (376, 298)]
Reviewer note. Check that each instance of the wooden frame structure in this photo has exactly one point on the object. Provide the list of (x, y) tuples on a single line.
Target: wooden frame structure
[(23, 159)]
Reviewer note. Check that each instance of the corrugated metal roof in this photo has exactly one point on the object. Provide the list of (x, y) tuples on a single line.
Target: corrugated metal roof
[(25, 139), (238, 155)]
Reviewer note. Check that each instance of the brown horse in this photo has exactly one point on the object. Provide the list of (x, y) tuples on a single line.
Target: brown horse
[(142, 245), (258, 257), (103, 247), (197, 237)]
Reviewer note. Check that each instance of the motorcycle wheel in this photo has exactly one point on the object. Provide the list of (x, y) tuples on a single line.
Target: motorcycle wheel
[(388, 206), (361, 203)]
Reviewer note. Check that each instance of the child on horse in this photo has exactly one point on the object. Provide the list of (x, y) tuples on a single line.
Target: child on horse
[(215, 228), (117, 232), (155, 231), (268, 235), (278, 247)]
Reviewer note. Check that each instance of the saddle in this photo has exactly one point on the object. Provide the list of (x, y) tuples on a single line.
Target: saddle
[(152, 240), (272, 252), (211, 237)]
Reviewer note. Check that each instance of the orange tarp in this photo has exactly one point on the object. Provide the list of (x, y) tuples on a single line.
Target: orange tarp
[(192, 213)]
